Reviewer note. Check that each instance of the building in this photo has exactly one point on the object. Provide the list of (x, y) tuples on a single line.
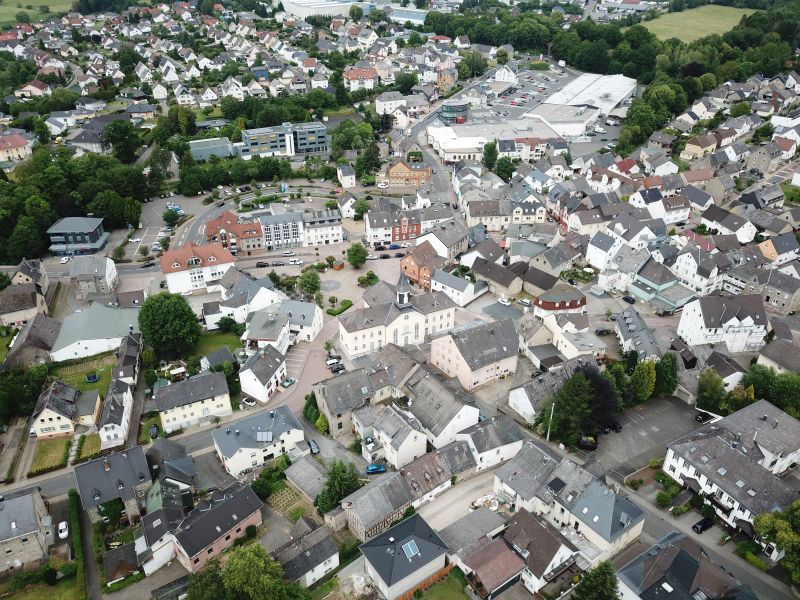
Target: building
[(288, 139), (31, 270), (120, 475), (449, 239), (346, 175), (477, 352), (77, 235), (311, 553), (339, 396), (322, 227), (15, 148), (527, 399), (459, 289), (360, 78), (492, 441), (24, 531), (493, 569), (454, 111), (267, 328), (60, 407), (94, 330), (202, 150), (239, 237), (634, 335), (403, 557), (734, 463), (391, 436), (402, 173), (262, 373), (407, 320), (256, 440), (419, 264), (33, 343), (93, 275), (195, 400), (305, 319), (563, 298), (605, 92), (20, 304), (115, 418), (282, 230), (215, 524), (195, 267), (739, 321)]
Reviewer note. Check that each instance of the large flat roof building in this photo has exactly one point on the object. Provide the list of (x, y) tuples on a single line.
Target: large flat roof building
[(605, 92)]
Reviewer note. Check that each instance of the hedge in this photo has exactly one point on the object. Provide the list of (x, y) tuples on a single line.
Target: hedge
[(130, 579), (342, 307), (77, 540)]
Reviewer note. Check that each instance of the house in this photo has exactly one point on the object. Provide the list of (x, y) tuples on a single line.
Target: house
[(460, 290), (678, 565), (305, 319), (360, 78), (727, 223), (94, 330), (728, 369), (77, 235), (24, 532), (339, 396), (195, 400), (126, 369), (779, 291), (311, 553), (527, 399), (20, 304), (406, 320), (217, 359), (401, 173), (734, 469), (33, 343), (307, 476), (322, 227), (634, 335), (449, 239), (256, 440), (372, 508), (493, 569), (699, 147), (471, 531), (93, 275), (31, 270), (389, 435), (262, 373), (562, 298), (241, 238), (141, 110), (195, 267), (492, 441), (477, 352), (419, 264), (346, 175), (502, 282), (488, 250), (601, 249), (61, 407), (739, 321), (115, 418), (215, 524), (403, 557), (120, 475), (15, 148), (780, 249), (267, 328), (33, 89)]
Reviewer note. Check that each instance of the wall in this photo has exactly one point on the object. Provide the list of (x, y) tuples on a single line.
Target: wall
[(319, 571), (247, 459), (188, 415), (194, 563), (50, 424)]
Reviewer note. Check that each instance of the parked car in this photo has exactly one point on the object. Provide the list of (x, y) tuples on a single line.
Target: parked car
[(702, 417), (380, 248), (524, 302), (337, 368), (134, 240), (601, 331), (629, 299), (221, 203), (382, 185), (374, 469), (394, 246), (702, 525), (64, 260), (314, 447), (148, 263), (63, 530), (571, 281), (385, 256), (289, 381), (399, 254), (296, 261), (504, 301), (371, 257), (261, 264), (278, 263), (248, 402), (587, 442), (615, 426), (153, 431)]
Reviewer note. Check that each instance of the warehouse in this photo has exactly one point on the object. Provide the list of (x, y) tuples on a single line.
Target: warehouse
[(605, 92)]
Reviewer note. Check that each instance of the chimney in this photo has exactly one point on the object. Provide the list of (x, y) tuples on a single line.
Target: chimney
[(106, 466)]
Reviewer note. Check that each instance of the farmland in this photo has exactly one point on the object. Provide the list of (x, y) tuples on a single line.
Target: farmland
[(690, 25)]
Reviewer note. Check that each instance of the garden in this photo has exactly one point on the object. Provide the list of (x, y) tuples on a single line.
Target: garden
[(88, 447), (50, 455), (148, 420), (93, 373)]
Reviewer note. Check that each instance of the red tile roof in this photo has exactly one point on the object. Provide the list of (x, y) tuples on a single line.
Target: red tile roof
[(174, 261)]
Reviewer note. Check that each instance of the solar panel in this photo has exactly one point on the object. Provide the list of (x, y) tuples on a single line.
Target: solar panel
[(410, 549)]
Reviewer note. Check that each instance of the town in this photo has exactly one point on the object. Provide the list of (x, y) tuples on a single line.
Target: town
[(451, 299)]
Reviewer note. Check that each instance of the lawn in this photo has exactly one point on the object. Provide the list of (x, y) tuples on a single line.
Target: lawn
[(791, 192), (692, 24), (9, 10), (214, 340), (75, 375), (5, 341), (91, 446), (49, 453), (448, 588), (66, 589), (144, 427)]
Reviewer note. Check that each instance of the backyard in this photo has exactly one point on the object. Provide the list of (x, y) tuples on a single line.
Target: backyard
[(791, 192), (214, 340), (5, 341), (690, 25), (449, 588), (90, 447), (75, 375), (50, 454), (144, 427), (66, 589)]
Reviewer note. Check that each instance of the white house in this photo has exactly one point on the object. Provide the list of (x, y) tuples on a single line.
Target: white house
[(93, 330), (159, 92), (393, 437), (305, 319), (192, 401), (256, 440), (602, 247), (115, 419), (347, 176), (267, 328), (700, 270), (459, 289), (311, 553), (493, 441), (739, 321), (262, 373), (195, 267)]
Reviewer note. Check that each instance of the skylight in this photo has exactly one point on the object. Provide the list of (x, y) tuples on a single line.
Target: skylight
[(410, 549)]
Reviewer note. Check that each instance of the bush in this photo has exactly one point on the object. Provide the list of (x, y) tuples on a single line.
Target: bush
[(663, 499), (355, 447), (756, 561), (342, 307), (348, 552), (251, 531), (680, 509), (77, 536)]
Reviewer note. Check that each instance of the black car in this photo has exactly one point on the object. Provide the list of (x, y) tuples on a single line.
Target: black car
[(147, 264), (587, 442), (601, 331), (385, 256), (278, 263), (153, 432), (334, 357), (379, 248), (221, 203), (337, 368), (615, 426), (261, 264), (399, 254), (571, 281), (629, 299), (702, 525), (702, 417)]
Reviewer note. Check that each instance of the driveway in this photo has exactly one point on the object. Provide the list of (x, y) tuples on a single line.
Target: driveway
[(646, 431), (454, 503), (277, 528)]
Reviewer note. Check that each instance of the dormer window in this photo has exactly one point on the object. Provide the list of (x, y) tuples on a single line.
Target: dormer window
[(193, 262), (175, 265), (212, 259)]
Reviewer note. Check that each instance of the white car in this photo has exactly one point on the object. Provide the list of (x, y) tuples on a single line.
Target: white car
[(406, 245), (135, 240), (382, 185), (248, 402), (64, 260), (186, 293), (296, 261), (63, 530), (372, 257), (505, 301)]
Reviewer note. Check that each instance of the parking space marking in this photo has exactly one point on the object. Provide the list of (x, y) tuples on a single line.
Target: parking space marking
[(655, 429)]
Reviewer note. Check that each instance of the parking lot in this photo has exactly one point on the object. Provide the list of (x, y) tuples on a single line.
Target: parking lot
[(532, 89), (646, 430)]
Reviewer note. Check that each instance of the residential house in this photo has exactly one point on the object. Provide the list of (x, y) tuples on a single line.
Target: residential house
[(262, 373), (311, 553), (195, 267), (488, 250), (406, 174), (562, 298), (728, 369), (419, 264), (347, 176), (61, 407), (460, 290), (267, 328), (115, 418), (493, 569), (195, 400), (94, 330), (339, 396), (305, 319), (245, 238), (502, 282), (635, 335), (726, 222), (31, 270), (360, 78), (120, 475), (33, 343), (471, 531), (20, 304), (492, 441), (739, 321), (780, 249), (25, 531), (93, 275), (699, 147), (256, 440), (390, 435), (779, 291)]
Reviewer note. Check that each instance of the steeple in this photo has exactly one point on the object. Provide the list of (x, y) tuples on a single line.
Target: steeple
[(403, 298)]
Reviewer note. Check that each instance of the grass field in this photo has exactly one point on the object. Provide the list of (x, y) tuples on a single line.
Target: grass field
[(4, 343), (9, 10), (448, 588), (215, 340), (144, 427), (66, 589), (49, 453), (75, 375), (91, 445), (690, 25)]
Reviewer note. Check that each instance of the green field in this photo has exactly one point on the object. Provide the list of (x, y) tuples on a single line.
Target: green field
[(9, 10), (690, 25), (214, 340)]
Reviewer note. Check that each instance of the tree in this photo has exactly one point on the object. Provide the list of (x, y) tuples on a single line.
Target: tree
[(783, 530), (762, 379), (370, 160), (321, 423), (475, 62), (740, 109), (169, 325), (666, 375), (643, 381), (616, 371), (464, 71), (505, 168), (598, 584), (5, 281), (490, 155), (116, 210), (737, 398), (341, 481), (328, 345), (710, 391), (356, 12), (206, 7), (502, 56), (360, 207), (309, 282), (357, 255), (405, 81), (122, 138), (171, 217), (571, 407)]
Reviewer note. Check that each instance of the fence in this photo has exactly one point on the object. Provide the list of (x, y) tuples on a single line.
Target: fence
[(429, 582)]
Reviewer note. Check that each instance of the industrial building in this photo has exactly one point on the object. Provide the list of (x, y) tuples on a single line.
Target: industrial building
[(323, 8), (604, 92)]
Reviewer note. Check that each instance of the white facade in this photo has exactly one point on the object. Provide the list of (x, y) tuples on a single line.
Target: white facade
[(320, 235), (598, 257), (519, 402), (743, 335), (446, 356), (189, 280), (319, 571), (460, 297), (467, 416), (111, 434), (84, 348), (188, 415), (253, 387), (533, 583), (492, 457), (408, 582), (685, 268), (246, 459)]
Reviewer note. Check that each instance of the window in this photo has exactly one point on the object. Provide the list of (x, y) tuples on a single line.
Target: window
[(210, 550), (196, 561), (339, 425)]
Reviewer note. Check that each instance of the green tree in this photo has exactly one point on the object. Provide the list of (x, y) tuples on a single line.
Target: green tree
[(785, 393), (740, 109), (501, 56), (116, 210), (327, 346), (321, 423), (370, 160), (169, 325), (360, 207), (310, 410), (357, 255), (737, 398), (464, 71), (599, 583), (475, 62), (761, 378), (5, 281), (128, 59), (783, 530), (710, 391), (504, 168), (571, 407), (643, 381), (405, 81), (206, 7), (490, 155), (122, 138), (309, 282), (170, 217), (356, 12), (666, 375), (616, 371)]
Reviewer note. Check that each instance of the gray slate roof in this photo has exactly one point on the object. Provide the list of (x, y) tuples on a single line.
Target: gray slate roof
[(469, 529), (308, 475), (494, 432), (615, 514), (299, 556), (345, 392), (60, 398), (96, 322), (203, 386), (20, 511), (264, 363), (98, 479), (482, 344), (277, 421)]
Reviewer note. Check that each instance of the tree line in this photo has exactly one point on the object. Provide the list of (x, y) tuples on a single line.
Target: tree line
[(779, 389)]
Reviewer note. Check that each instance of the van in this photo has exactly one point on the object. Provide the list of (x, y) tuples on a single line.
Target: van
[(524, 301), (331, 361)]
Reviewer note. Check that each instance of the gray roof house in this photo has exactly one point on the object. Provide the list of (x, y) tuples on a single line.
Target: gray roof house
[(470, 532), (24, 529), (201, 387), (310, 555), (308, 476), (372, 508), (217, 358), (122, 475), (338, 396), (404, 556), (98, 328), (33, 343)]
